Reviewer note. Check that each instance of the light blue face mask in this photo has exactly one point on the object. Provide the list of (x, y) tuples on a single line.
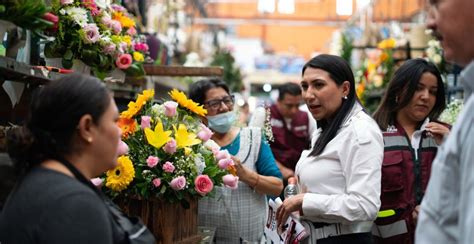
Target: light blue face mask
[(221, 123)]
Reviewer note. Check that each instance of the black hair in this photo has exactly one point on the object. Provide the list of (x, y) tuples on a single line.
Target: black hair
[(288, 88), (53, 116), (339, 71), (197, 90), (401, 89)]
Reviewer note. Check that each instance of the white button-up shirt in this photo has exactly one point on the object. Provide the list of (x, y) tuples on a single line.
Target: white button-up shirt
[(343, 183)]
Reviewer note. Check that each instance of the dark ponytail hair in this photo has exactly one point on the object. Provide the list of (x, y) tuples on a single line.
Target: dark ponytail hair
[(339, 71), (401, 89), (53, 116)]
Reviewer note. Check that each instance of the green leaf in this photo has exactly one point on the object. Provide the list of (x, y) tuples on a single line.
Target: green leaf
[(68, 55), (67, 63)]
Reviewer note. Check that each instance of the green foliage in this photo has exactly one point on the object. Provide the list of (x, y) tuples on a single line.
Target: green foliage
[(27, 14), (232, 75), (346, 51)]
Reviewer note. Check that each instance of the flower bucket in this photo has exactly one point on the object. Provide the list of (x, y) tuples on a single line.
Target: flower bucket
[(169, 222), (77, 65), (116, 75)]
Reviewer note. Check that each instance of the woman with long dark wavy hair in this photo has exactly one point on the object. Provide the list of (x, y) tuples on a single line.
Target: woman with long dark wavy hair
[(408, 117), (339, 176)]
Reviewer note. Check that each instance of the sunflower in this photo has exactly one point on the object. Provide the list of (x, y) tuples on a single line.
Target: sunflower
[(189, 104), (128, 126), (179, 97), (135, 107), (119, 178), (196, 108)]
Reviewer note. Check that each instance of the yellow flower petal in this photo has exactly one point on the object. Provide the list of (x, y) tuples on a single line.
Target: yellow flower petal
[(121, 176), (137, 56), (159, 137), (189, 104), (184, 138)]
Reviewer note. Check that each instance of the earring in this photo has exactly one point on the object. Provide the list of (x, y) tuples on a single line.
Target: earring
[(89, 139), (345, 97), (396, 99)]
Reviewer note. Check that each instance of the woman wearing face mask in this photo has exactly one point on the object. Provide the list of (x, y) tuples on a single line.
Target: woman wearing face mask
[(238, 215), (407, 115), (339, 176)]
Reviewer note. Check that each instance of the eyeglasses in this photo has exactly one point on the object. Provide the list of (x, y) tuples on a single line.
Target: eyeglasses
[(216, 104)]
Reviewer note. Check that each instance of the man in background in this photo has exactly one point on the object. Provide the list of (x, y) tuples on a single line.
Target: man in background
[(447, 210), (291, 128)]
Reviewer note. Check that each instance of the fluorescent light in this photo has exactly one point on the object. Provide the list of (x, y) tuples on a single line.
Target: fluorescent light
[(344, 7), (286, 6), (266, 6)]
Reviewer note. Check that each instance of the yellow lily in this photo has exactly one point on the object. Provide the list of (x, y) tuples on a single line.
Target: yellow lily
[(159, 137), (184, 138)]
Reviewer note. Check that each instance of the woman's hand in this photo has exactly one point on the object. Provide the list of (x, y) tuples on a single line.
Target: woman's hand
[(269, 185), (415, 213), (292, 204), (437, 131), (243, 172)]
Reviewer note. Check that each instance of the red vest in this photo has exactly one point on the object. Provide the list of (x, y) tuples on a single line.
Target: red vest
[(288, 144), (404, 180)]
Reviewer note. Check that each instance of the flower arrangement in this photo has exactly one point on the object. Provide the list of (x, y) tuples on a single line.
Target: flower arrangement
[(28, 14), (102, 36), (167, 152), (450, 114), (377, 69), (434, 54)]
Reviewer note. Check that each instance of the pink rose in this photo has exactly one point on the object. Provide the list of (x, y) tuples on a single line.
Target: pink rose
[(178, 183), (109, 48), (231, 181), (106, 20), (132, 31), (97, 182), (170, 108), (222, 154), (168, 167), (203, 185), (116, 26), (170, 146), (205, 133), (224, 163), (124, 61), (122, 148), (92, 34), (156, 182), (142, 47), (152, 161), (53, 19), (145, 122)]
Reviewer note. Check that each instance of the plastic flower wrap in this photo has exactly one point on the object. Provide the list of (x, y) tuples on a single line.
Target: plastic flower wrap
[(450, 114), (102, 36), (169, 154)]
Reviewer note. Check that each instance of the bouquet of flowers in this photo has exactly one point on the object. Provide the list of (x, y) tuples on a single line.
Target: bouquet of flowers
[(450, 114), (170, 154), (102, 36)]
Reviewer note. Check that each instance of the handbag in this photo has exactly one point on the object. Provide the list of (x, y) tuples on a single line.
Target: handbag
[(133, 227)]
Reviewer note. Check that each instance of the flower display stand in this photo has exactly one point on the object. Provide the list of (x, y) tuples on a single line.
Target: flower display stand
[(77, 66), (169, 222)]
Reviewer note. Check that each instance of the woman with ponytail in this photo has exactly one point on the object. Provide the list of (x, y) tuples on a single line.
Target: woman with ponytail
[(339, 176), (69, 137)]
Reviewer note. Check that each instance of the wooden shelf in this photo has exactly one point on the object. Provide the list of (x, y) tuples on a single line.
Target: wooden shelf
[(161, 70), (17, 71)]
